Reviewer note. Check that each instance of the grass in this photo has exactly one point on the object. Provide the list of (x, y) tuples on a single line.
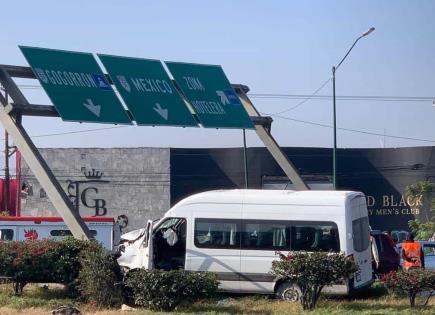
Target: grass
[(376, 301), (36, 296)]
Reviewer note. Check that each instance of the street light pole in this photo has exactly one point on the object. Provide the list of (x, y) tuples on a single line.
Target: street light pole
[(334, 150), (334, 69)]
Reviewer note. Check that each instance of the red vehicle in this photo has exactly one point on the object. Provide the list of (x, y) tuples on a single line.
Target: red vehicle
[(384, 252)]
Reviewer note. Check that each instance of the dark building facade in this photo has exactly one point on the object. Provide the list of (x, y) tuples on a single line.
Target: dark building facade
[(381, 174), (142, 183)]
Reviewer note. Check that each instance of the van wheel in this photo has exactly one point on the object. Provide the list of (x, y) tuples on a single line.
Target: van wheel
[(288, 291)]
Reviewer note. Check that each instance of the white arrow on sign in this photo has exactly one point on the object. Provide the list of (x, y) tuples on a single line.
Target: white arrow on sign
[(161, 111), (224, 98), (95, 109)]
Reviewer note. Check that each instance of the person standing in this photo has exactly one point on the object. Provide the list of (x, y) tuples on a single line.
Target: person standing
[(412, 253)]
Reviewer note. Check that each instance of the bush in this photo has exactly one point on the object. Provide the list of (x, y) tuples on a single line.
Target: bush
[(42, 260), (99, 280), (164, 290), (411, 282), (312, 271)]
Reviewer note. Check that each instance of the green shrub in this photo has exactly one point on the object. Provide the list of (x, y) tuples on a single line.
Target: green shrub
[(411, 282), (164, 290), (99, 280), (42, 260), (313, 271)]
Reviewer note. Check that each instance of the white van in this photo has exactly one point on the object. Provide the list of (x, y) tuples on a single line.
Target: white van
[(103, 229), (237, 233)]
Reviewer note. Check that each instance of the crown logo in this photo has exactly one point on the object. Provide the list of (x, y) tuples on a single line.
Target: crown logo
[(93, 174)]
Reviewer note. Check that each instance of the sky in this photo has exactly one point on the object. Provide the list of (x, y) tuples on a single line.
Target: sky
[(274, 47)]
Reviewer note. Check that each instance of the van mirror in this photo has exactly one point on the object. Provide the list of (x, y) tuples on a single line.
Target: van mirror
[(170, 236)]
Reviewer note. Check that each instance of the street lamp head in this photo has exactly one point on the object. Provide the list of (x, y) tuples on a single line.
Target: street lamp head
[(334, 149), (368, 32)]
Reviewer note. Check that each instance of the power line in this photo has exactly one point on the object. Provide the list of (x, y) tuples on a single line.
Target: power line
[(353, 130), (274, 115), (314, 95), (378, 98), (73, 132), (78, 131), (306, 99)]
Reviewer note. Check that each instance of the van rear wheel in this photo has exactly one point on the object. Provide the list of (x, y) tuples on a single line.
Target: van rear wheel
[(288, 291)]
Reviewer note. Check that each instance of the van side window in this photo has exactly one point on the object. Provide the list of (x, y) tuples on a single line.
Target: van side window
[(314, 237), (217, 233), (361, 234), (266, 235), (6, 234)]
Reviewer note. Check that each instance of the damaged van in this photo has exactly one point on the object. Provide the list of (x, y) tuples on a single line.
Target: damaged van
[(237, 234)]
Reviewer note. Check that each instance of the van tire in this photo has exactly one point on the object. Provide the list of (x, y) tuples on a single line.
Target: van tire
[(288, 291)]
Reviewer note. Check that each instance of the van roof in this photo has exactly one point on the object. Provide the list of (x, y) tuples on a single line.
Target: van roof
[(259, 196)]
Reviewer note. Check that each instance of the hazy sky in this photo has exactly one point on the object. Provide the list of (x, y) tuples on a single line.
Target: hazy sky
[(274, 47)]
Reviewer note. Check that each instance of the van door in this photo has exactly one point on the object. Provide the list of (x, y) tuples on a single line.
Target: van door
[(139, 252), (148, 245), (215, 245), (361, 242)]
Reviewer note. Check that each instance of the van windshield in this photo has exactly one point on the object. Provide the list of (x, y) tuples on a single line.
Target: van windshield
[(168, 223)]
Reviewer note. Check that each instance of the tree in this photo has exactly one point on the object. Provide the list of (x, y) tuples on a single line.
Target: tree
[(311, 272), (411, 282), (425, 192)]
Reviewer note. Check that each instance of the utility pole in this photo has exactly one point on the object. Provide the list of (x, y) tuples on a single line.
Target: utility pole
[(7, 177), (334, 149), (245, 159)]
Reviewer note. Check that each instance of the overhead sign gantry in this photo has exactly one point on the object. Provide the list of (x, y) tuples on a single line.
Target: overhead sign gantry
[(82, 92)]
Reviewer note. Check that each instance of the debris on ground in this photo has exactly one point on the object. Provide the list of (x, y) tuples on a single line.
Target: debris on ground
[(66, 310), (125, 307), (226, 301)]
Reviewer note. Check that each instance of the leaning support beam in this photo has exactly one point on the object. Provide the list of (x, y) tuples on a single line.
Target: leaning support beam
[(44, 175), (264, 134)]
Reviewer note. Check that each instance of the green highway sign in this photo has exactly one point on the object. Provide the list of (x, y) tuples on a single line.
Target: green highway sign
[(210, 93), (148, 91), (76, 85)]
